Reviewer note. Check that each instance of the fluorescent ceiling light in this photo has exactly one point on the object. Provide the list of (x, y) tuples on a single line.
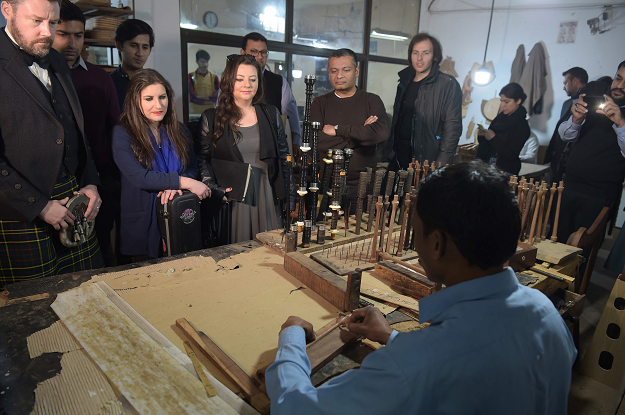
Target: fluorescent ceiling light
[(188, 26), (387, 36), (297, 73)]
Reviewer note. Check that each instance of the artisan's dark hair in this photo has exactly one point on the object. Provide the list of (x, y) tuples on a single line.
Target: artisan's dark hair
[(436, 46), (577, 72), (138, 126), (71, 12), (202, 54), (473, 204), (514, 91), (131, 28), (227, 111), (253, 36), (620, 65), (339, 53)]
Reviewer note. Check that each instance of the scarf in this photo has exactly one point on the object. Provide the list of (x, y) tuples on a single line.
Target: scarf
[(165, 160)]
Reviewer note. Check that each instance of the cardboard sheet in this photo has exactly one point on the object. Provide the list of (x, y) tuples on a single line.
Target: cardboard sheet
[(240, 309), (81, 388), (55, 338)]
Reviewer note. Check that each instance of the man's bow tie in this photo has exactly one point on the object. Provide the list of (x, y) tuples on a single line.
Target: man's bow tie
[(29, 59)]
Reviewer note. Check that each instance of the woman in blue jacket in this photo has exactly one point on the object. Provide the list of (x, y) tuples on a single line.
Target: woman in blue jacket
[(154, 153)]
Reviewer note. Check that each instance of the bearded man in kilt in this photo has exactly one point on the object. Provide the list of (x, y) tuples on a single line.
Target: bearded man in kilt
[(44, 156)]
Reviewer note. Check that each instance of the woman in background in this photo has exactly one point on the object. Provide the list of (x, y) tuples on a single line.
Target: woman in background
[(502, 143), (242, 129), (154, 153)]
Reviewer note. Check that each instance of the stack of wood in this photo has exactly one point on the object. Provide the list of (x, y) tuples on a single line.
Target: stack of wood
[(102, 28), (535, 202)]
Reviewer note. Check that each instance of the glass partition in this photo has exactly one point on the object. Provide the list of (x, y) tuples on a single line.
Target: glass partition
[(382, 80), (393, 24), (329, 25), (235, 17)]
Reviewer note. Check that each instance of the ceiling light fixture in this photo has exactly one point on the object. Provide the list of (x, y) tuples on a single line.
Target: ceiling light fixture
[(483, 76)]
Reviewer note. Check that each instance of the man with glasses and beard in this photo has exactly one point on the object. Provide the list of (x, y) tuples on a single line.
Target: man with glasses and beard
[(44, 157), (595, 167)]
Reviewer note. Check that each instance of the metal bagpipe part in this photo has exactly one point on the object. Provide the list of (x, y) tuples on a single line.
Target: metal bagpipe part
[(78, 233)]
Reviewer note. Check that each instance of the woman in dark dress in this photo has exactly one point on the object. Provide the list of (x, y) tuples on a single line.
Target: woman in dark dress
[(154, 153), (242, 129), (502, 143)]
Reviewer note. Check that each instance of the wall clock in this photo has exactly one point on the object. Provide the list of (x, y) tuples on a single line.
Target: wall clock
[(210, 20)]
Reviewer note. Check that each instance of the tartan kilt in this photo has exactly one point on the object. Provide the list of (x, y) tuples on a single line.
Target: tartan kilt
[(30, 250)]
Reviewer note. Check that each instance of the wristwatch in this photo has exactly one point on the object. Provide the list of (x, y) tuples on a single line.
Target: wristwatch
[(336, 127)]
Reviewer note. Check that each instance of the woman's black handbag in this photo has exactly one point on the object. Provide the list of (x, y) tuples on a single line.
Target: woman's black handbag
[(216, 223)]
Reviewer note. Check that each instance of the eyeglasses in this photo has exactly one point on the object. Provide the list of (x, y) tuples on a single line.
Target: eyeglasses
[(236, 57), (262, 53)]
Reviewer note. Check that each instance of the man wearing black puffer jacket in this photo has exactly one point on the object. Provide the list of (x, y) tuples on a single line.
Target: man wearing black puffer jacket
[(427, 115)]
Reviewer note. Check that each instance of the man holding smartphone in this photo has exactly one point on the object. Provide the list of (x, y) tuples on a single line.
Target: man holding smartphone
[(595, 167)]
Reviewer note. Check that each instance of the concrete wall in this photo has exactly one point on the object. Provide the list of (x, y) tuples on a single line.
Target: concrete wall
[(463, 36), (164, 17)]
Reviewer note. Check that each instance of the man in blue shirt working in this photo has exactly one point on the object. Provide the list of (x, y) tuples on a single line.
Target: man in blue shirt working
[(493, 345)]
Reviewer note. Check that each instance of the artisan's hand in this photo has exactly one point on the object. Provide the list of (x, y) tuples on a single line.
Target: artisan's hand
[(371, 324), (613, 112), (329, 130), (167, 195), (579, 110), (91, 191), (56, 214), (308, 328), (225, 199)]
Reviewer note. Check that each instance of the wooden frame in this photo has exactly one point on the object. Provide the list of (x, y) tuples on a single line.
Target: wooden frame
[(342, 294)]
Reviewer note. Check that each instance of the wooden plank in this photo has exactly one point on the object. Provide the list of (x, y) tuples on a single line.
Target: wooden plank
[(389, 296), (316, 277), (395, 274), (222, 391), (226, 365), (555, 252), (148, 377), (549, 285), (352, 296), (329, 347)]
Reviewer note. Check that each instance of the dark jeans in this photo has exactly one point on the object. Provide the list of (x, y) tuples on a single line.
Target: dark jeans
[(109, 216)]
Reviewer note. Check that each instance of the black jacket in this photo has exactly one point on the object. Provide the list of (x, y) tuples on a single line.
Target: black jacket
[(511, 133), (273, 150), (437, 113), (32, 138)]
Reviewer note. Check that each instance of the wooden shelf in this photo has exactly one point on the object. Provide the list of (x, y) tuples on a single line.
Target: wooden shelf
[(100, 42), (94, 9)]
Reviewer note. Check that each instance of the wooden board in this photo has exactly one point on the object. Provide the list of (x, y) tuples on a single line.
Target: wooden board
[(258, 399), (607, 343), (316, 277), (546, 284), (148, 377), (555, 252), (418, 286), (240, 309)]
